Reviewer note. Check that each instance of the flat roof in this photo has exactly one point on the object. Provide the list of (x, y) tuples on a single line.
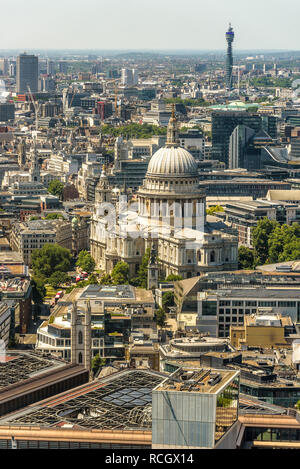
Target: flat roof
[(257, 293), (197, 380), (108, 291)]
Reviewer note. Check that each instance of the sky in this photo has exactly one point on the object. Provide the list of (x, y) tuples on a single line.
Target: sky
[(149, 24)]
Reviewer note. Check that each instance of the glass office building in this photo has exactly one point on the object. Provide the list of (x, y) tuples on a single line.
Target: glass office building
[(196, 408)]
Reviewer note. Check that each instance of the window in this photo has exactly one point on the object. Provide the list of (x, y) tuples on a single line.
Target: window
[(212, 256), (287, 304), (80, 338), (251, 303), (267, 303), (237, 303), (80, 357)]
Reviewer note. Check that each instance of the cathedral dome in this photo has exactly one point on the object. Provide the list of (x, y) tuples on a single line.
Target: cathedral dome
[(172, 161)]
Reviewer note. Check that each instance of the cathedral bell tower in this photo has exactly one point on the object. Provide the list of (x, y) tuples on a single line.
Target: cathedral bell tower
[(34, 171), (81, 335), (103, 189)]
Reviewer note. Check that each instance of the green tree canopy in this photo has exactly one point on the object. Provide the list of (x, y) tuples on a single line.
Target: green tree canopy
[(142, 277), (133, 130), (120, 274), (260, 235), (106, 279), (274, 242), (38, 290), (49, 259), (93, 280), (57, 278), (56, 188), (173, 278), (168, 300), (97, 362), (213, 209), (86, 262), (160, 317), (53, 216), (246, 258)]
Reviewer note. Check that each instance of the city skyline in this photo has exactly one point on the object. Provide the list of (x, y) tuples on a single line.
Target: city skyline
[(159, 26)]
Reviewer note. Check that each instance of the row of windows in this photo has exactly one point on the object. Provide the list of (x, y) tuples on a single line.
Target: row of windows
[(272, 434), (279, 304), (25, 444)]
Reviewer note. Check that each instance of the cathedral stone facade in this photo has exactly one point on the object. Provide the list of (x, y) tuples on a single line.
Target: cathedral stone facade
[(168, 213)]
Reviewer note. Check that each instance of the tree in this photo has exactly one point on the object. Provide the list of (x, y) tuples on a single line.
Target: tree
[(142, 277), (260, 237), (168, 300), (291, 251), (49, 259), (297, 405), (57, 278), (38, 290), (53, 216), (105, 279), (160, 317), (56, 188), (93, 280), (213, 209), (120, 274), (246, 258), (173, 278), (97, 362), (86, 262)]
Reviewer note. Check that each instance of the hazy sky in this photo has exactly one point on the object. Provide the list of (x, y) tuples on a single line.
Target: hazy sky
[(149, 24)]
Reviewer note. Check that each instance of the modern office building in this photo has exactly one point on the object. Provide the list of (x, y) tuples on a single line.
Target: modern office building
[(268, 330), (229, 58), (186, 349), (27, 73), (129, 77), (114, 312), (245, 148), (115, 412), (196, 408), (244, 216), (242, 187), (7, 112), (218, 310), (224, 122)]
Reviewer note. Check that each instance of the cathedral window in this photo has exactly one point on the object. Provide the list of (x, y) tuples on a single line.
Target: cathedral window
[(80, 357), (80, 338), (212, 256)]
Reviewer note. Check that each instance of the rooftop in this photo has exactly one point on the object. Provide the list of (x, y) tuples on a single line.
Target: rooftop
[(257, 293), (120, 401), (199, 380), (20, 366)]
